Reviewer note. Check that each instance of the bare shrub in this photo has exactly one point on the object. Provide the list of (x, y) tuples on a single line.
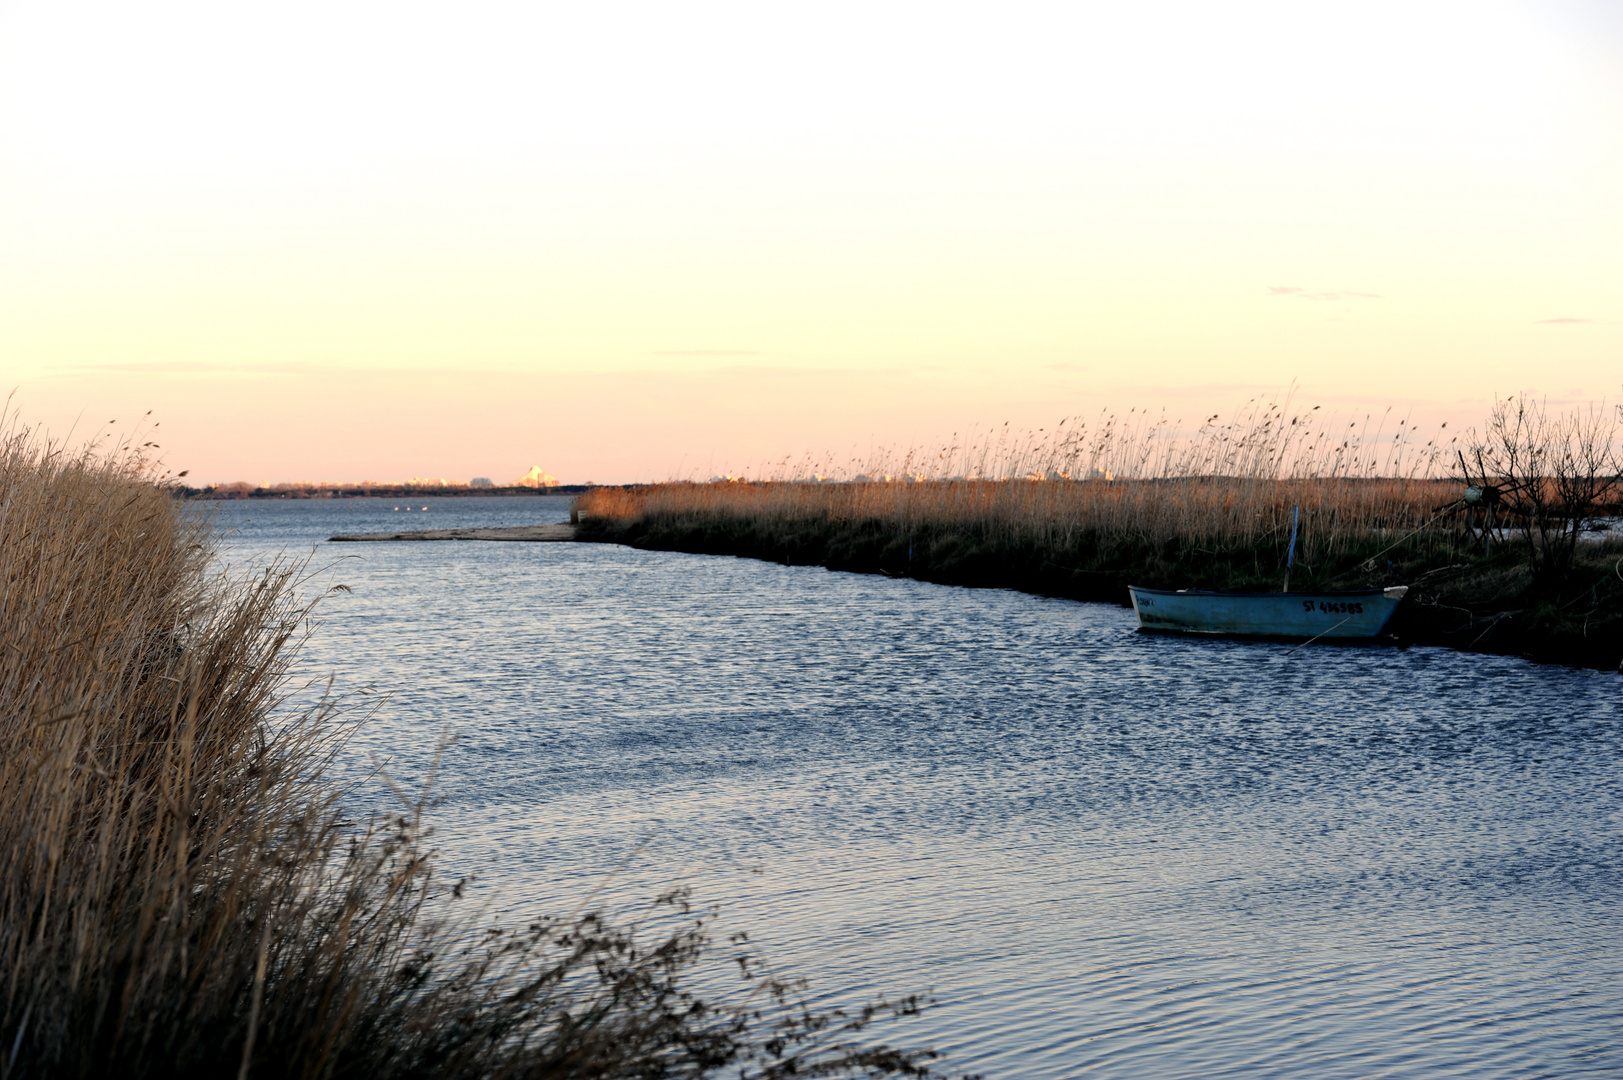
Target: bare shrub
[(1553, 473)]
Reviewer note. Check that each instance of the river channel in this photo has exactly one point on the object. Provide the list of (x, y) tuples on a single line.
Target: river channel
[(1108, 854)]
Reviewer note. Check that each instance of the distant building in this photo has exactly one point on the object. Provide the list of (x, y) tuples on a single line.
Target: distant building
[(481, 481), (536, 478)]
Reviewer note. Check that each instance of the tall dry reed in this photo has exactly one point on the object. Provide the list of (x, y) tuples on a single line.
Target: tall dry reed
[(1261, 439), (1132, 480), (1339, 518), (181, 893)]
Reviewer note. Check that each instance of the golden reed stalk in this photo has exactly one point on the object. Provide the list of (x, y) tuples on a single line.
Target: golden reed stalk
[(156, 828), (182, 894), (1128, 480)]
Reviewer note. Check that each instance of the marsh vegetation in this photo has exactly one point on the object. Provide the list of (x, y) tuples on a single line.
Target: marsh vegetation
[(186, 892), (1081, 512)]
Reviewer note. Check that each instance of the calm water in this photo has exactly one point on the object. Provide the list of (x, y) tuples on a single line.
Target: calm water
[(1111, 855)]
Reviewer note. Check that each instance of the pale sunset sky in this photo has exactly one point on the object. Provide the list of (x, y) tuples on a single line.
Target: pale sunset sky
[(347, 240)]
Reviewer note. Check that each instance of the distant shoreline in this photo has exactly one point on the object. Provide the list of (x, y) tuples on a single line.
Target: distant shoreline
[(379, 491)]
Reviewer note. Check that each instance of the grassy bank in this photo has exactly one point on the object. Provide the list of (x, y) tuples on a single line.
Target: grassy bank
[(183, 895), (1087, 540)]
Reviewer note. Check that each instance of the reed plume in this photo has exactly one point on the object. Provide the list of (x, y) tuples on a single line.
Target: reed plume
[(1121, 482), (182, 890)]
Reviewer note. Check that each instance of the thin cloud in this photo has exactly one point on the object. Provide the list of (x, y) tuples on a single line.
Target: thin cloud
[(184, 367), (1068, 367), (1299, 293), (1565, 320)]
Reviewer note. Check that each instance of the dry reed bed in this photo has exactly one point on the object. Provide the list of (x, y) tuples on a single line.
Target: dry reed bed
[(1339, 516), (1085, 510), (1142, 484), (181, 893), (1260, 440), (1124, 482)]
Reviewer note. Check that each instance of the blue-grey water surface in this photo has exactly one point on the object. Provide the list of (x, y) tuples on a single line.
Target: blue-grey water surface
[(1109, 854)]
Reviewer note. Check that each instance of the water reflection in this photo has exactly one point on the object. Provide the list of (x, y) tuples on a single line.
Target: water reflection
[(1110, 854)]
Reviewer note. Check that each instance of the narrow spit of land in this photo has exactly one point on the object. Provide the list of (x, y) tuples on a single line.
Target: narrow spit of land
[(1090, 541), (1462, 597)]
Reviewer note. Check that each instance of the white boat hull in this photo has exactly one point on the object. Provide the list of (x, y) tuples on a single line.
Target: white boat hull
[(1362, 614)]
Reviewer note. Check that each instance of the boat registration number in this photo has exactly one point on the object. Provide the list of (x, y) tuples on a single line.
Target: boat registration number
[(1334, 607)]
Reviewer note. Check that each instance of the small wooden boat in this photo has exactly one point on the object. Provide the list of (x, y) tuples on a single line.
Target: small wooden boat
[(1360, 614)]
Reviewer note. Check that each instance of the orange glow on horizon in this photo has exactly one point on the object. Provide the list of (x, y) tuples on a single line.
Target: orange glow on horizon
[(630, 242)]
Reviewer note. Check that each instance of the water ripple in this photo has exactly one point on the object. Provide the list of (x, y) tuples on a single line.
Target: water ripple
[(1111, 855)]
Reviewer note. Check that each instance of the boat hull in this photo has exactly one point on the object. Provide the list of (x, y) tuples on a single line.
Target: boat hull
[(1361, 614)]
